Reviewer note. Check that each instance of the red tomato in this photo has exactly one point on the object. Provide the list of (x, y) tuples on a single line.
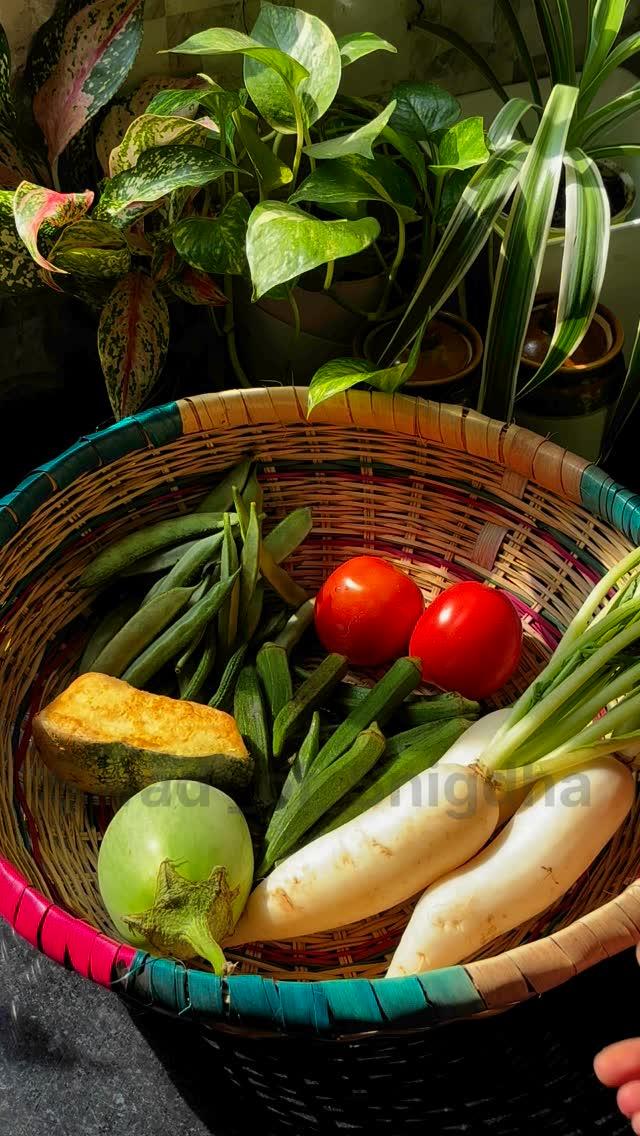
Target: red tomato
[(367, 610), (469, 640)]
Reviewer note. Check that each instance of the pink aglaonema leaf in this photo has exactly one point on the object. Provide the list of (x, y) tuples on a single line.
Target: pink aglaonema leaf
[(34, 206), (195, 287), (98, 48), (133, 336)]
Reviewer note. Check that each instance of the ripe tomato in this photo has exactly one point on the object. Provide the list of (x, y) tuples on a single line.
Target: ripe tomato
[(469, 640), (367, 610)]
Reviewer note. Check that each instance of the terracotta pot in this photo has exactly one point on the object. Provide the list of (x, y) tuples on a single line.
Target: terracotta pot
[(573, 407), (449, 367)]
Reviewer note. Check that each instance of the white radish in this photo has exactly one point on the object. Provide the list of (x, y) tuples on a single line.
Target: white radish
[(430, 825), (551, 840), (468, 748)]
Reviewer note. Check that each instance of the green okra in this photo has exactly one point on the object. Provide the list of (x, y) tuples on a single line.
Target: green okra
[(223, 697), (381, 701), (320, 791), (253, 614), (299, 769), (289, 533), (143, 627), (437, 708), (124, 552), (306, 699), (249, 566), (252, 494), (250, 716), (188, 568), (220, 498), (110, 624), (272, 665), (176, 638), (394, 771), (295, 627), (228, 615)]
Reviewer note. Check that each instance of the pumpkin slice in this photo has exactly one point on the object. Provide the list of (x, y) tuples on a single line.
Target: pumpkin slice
[(103, 736)]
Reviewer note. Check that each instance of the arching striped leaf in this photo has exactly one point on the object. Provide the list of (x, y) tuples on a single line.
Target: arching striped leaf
[(606, 22), (18, 271), (151, 130), (194, 287), (283, 242), (98, 48), (507, 120), (158, 172), (216, 244), (625, 50), (608, 117), (586, 247), (91, 249), (33, 205), (133, 337), (358, 44), (359, 141)]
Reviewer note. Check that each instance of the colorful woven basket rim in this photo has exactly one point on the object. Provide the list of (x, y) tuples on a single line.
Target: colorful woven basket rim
[(335, 1007)]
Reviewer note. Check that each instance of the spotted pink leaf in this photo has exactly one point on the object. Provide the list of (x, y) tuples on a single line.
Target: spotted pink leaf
[(195, 287), (133, 336), (34, 205), (99, 46)]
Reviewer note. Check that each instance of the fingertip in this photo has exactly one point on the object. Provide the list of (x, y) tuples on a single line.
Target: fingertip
[(618, 1063), (635, 1124), (628, 1099)]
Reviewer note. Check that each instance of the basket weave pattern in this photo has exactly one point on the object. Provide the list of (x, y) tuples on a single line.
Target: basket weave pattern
[(446, 494)]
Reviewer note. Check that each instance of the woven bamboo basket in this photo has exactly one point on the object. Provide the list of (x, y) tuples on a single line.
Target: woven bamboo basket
[(444, 492)]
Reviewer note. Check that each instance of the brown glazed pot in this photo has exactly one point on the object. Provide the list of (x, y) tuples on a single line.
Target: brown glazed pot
[(449, 367)]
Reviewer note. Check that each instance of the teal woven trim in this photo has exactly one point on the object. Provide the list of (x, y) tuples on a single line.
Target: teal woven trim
[(151, 428), (323, 1008), (604, 497)]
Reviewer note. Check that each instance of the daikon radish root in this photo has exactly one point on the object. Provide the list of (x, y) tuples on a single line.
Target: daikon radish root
[(552, 839), (432, 824), (468, 748)]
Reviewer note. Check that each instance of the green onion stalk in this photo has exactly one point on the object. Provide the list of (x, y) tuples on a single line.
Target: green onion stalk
[(586, 702)]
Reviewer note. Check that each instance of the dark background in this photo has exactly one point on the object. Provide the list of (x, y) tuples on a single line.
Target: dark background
[(76, 1061)]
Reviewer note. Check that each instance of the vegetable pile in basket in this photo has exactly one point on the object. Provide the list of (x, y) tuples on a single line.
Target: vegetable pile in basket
[(205, 674)]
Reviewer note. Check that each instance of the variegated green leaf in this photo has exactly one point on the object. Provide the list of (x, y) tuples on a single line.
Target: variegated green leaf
[(33, 205), (283, 242), (98, 48), (46, 44), (158, 172), (92, 249), (461, 147), (584, 261), (133, 337), (625, 50), (507, 120), (194, 287), (464, 238), (339, 375), (359, 141), (556, 29), (306, 39), (18, 271), (607, 117), (270, 170), (112, 130), (523, 248), (150, 130), (221, 106), (353, 179), (358, 44), (216, 244), (284, 73), (183, 103), (605, 24)]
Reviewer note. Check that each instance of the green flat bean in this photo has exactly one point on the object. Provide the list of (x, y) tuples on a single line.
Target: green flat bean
[(203, 669), (249, 566), (254, 610), (176, 638), (289, 533), (253, 494), (220, 499), (228, 615), (189, 567), (281, 581), (159, 561), (124, 552), (295, 627), (140, 631), (109, 625)]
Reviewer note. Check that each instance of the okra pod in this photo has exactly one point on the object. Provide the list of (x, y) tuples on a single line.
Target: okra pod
[(296, 626), (306, 699), (320, 791), (437, 708), (223, 696), (228, 616), (249, 713), (272, 665), (393, 772), (299, 769), (110, 624), (176, 638), (189, 567), (143, 627), (249, 566), (124, 552), (220, 499), (289, 533), (253, 613), (252, 494), (381, 701)]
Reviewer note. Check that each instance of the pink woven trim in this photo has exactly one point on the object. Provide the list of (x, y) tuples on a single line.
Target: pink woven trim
[(60, 936)]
